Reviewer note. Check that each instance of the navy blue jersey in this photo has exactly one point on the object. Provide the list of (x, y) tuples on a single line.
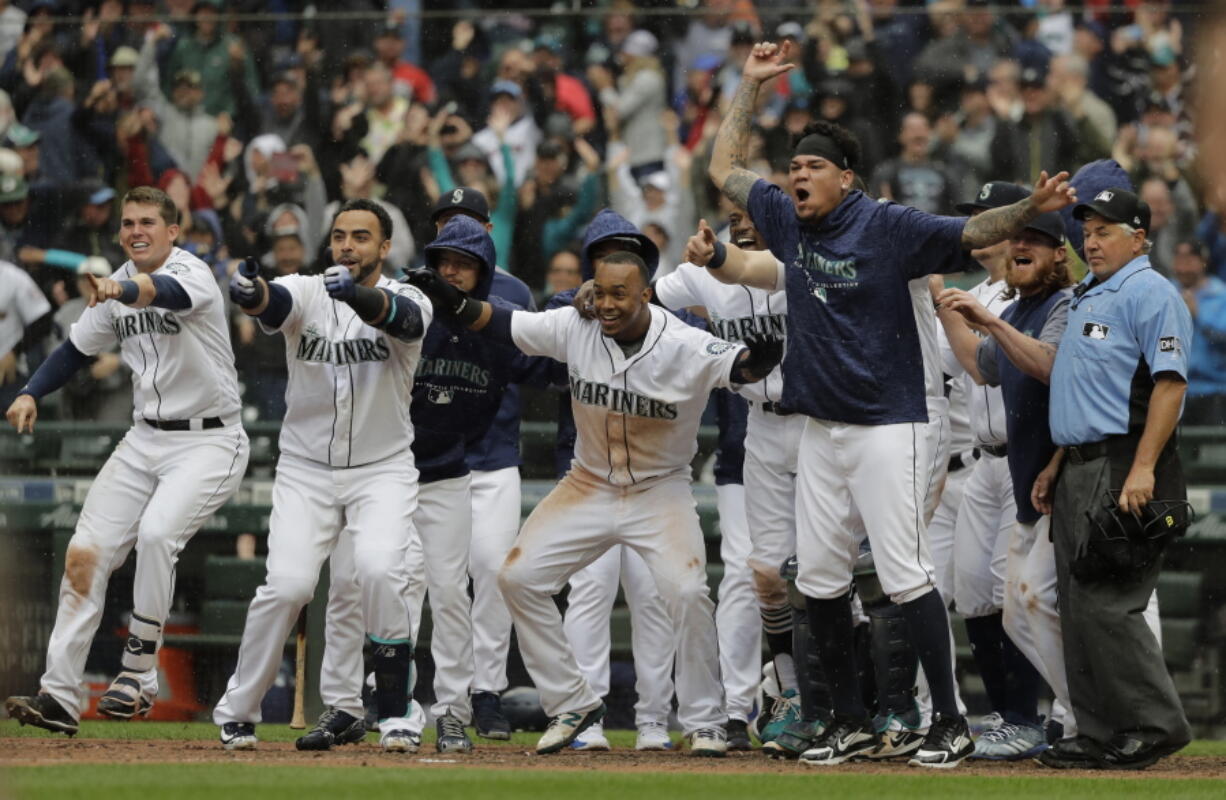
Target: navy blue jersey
[(853, 351)]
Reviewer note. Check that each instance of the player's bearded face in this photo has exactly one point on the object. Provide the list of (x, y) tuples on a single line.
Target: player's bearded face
[(145, 236), (1032, 258), (358, 244), (817, 186), (621, 300)]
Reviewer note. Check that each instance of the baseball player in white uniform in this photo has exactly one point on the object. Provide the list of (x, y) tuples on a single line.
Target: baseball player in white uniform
[(353, 340), (182, 459), (22, 304), (639, 381), (765, 500)]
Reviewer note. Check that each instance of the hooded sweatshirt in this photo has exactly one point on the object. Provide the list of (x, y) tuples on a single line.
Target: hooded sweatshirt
[(463, 375)]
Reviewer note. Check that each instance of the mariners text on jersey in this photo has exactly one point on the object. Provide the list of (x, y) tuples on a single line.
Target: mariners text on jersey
[(590, 393), (453, 368), (147, 321), (737, 329), (313, 347)]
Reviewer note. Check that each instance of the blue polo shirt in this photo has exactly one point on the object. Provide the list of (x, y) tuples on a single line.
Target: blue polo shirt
[(853, 352), (1121, 332)]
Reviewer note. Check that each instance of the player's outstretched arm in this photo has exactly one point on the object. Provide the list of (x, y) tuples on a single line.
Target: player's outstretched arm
[(955, 308), (729, 155), (998, 224), (139, 291), (269, 303), (1032, 356), (400, 316), (53, 373), (728, 263), (470, 312)]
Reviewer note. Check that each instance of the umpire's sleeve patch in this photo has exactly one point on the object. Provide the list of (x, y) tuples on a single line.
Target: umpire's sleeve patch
[(1168, 344)]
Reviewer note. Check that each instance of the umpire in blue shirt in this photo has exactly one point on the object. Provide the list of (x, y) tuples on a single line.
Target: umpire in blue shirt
[(1117, 389)]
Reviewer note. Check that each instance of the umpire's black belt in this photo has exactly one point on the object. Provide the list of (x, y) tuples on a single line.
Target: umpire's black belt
[(1084, 453), (199, 424)]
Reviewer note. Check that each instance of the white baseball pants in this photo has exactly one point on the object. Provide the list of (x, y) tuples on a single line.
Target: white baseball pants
[(772, 444), (593, 591), (312, 503), (985, 525), (738, 623), (154, 492), (941, 528), (573, 526), (879, 472), (496, 509)]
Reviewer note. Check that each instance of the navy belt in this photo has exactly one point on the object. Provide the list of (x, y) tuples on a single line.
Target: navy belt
[(204, 424)]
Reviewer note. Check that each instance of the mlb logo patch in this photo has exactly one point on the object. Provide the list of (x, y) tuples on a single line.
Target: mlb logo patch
[(1168, 344), (1095, 330)]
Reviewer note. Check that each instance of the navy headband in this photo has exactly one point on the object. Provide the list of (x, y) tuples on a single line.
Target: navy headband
[(815, 144)]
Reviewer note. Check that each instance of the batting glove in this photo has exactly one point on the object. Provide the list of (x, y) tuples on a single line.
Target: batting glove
[(443, 296), (338, 282), (245, 287), (765, 353)]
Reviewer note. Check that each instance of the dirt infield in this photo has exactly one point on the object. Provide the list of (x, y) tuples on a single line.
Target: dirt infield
[(52, 751)]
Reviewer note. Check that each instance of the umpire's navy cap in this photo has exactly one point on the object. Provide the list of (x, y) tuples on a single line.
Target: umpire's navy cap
[(994, 195), (1116, 205)]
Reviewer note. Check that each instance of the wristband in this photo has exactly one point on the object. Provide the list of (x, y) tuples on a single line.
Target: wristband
[(721, 253), (130, 294)]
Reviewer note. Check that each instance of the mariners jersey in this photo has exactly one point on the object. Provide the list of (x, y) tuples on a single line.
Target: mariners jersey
[(181, 361), (984, 403), (347, 398), (734, 312), (637, 417)]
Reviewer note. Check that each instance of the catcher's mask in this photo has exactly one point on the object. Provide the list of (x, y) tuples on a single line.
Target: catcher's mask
[(1122, 545)]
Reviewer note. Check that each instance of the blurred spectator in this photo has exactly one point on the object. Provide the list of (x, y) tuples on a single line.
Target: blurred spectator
[(293, 110), (12, 21), (50, 116), (27, 219), (457, 75), (975, 37), (389, 50), (1069, 79), (102, 392), (91, 230), (1055, 27), (837, 103), (561, 91), (913, 178), (553, 208), (386, 112), (964, 139), (1043, 139), (707, 35), (213, 55), (25, 319), (1212, 231), (518, 131), (1206, 298), (565, 272), (636, 101), (1174, 216), (185, 129)]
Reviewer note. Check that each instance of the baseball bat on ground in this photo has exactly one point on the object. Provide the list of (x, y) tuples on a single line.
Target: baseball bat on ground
[(298, 720)]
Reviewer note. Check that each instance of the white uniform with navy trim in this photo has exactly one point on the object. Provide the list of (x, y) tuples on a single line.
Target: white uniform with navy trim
[(637, 421), (345, 464), (767, 497), (158, 486)]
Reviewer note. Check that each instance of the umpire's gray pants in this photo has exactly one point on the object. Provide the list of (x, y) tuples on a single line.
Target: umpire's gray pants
[(1117, 678)]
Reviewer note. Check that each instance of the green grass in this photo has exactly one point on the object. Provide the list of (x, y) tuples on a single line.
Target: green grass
[(188, 781)]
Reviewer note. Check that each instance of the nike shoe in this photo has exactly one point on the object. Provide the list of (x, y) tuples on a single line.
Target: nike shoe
[(947, 743), (488, 718), (334, 727), (400, 740), (784, 711), (124, 698), (238, 736), (708, 743), (591, 739), (737, 734), (452, 738), (1011, 743), (565, 728), (845, 739), (42, 711), (900, 735), (651, 736)]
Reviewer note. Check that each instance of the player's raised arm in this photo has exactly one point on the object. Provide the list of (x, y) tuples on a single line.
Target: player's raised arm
[(998, 224), (269, 303), (730, 153), (728, 263)]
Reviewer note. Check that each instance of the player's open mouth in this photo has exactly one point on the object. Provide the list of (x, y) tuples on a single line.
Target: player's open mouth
[(1023, 261), (802, 195), (745, 242), (347, 261), (139, 245)]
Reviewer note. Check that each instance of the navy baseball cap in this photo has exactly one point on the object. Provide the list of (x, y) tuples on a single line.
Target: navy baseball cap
[(464, 199), (1116, 205), (996, 194), (1050, 224)]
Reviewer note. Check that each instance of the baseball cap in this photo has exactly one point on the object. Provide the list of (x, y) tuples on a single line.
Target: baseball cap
[(99, 194), (548, 41), (640, 43), (742, 34), (188, 76), (125, 57), (994, 195), (468, 152), (658, 180), (97, 266), (1051, 224), (13, 188), (1116, 205), (463, 198), (19, 135), (506, 87), (1033, 77), (790, 30)]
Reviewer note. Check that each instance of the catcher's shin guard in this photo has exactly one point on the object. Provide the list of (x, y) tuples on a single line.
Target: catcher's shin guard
[(815, 703), (393, 668), (895, 660)]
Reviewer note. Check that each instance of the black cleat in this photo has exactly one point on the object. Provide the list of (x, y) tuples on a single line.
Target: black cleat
[(488, 718), (124, 699), (41, 711), (737, 732), (844, 739), (334, 727), (1073, 752), (238, 736), (452, 738), (947, 743)]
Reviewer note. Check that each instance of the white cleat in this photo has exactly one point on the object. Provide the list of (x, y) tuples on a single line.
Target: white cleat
[(400, 740), (653, 736), (591, 739), (238, 736), (708, 743), (565, 729)]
